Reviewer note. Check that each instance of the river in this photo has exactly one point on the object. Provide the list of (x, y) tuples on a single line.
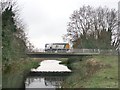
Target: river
[(50, 74)]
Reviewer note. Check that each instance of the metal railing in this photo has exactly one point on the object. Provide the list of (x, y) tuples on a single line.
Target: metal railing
[(99, 51), (88, 51), (85, 50)]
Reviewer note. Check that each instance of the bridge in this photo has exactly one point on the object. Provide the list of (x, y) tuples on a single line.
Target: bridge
[(71, 53)]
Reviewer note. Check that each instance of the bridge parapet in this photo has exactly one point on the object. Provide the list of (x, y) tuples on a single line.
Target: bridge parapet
[(81, 51), (85, 50), (72, 53)]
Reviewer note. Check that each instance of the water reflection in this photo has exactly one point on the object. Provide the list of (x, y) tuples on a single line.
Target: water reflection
[(48, 75), (51, 66), (44, 82)]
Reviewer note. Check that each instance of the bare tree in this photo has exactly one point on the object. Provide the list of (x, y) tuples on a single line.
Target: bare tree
[(88, 22)]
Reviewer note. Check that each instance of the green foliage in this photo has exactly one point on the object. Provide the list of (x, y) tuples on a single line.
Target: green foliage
[(7, 34), (14, 47), (102, 42), (15, 64), (15, 77)]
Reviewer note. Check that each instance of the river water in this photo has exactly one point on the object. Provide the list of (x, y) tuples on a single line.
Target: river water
[(53, 80)]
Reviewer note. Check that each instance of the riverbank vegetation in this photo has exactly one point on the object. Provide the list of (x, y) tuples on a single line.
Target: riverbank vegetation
[(96, 71), (93, 28), (92, 72), (15, 43), (16, 74)]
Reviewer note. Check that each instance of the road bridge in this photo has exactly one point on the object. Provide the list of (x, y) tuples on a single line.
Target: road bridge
[(58, 55), (71, 53)]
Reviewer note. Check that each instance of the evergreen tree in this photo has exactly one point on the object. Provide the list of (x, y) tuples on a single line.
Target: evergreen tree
[(8, 28)]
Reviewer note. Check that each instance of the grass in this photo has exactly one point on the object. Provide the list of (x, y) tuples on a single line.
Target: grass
[(106, 77), (93, 72), (15, 77), (87, 72)]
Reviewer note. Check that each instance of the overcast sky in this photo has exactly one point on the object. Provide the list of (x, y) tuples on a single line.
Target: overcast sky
[(47, 19)]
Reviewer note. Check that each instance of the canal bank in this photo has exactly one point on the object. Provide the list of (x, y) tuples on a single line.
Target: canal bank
[(15, 76), (90, 72)]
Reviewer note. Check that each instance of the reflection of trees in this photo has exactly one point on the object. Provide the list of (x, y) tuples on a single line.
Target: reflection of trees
[(53, 81), (31, 80), (48, 81)]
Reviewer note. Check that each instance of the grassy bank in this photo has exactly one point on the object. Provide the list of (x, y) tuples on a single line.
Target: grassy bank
[(87, 72), (14, 77), (92, 72)]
